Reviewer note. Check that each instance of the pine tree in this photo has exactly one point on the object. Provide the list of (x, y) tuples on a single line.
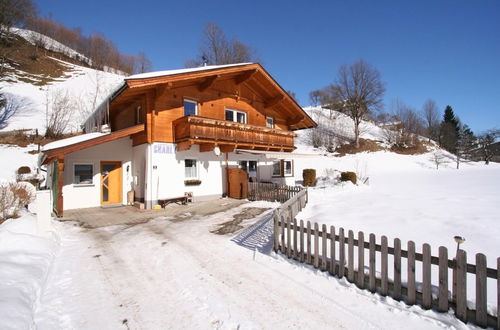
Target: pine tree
[(466, 143), (449, 130)]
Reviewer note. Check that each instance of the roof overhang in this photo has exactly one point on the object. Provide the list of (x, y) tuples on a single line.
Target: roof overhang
[(66, 148)]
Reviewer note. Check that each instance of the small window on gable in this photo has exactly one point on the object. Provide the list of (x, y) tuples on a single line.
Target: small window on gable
[(83, 174), (138, 116), (236, 116), (190, 169), (190, 108), (269, 122)]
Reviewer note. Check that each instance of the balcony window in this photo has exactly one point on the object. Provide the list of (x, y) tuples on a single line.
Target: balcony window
[(190, 169), (250, 166), (236, 116), (269, 122), (190, 108)]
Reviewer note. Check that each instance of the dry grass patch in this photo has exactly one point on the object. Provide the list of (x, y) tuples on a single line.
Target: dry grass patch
[(364, 145)]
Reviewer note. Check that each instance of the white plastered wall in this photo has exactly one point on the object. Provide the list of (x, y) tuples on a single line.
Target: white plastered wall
[(167, 172), (89, 195)]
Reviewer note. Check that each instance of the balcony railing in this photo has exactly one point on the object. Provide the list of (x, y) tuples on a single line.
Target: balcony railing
[(200, 130)]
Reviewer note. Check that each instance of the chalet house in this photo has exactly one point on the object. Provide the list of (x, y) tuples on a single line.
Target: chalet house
[(164, 134)]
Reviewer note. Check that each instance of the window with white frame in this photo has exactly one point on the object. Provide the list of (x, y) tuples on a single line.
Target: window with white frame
[(236, 116), (282, 168), (190, 107), (287, 168), (269, 122), (190, 169), (83, 174)]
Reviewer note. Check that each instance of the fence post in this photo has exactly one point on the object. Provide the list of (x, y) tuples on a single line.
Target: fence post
[(283, 224), (316, 245), (332, 250), (288, 237), (461, 311), (443, 280), (372, 281), (384, 264), (361, 260), (276, 231), (412, 291), (309, 242), (396, 293), (481, 311), (350, 256), (295, 243), (341, 253), (324, 250), (426, 277), (301, 256)]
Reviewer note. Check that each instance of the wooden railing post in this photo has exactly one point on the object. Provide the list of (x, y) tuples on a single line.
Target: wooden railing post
[(332, 250), (341, 253), (426, 277), (316, 245), (384, 265), (396, 292), (350, 256), (276, 231), (373, 280)]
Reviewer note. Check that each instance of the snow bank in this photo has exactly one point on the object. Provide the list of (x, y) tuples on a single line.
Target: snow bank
[(179, 71), (13, 157), (25, 259)]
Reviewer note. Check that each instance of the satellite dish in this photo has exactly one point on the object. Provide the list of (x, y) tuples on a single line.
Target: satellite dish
[(217, 151)]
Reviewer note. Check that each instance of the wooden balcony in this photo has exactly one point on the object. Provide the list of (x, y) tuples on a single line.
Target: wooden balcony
[(228, 135)]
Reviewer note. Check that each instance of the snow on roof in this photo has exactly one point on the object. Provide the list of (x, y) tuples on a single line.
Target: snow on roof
[(72, 140), (179, 71)]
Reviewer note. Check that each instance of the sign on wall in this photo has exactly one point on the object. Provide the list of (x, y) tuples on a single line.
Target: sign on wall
[(163, 148)]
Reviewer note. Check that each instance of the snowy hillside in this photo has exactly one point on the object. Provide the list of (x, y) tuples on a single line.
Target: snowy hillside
[(84, 87)]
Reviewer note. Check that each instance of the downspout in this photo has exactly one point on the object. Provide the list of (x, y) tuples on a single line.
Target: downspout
[(227, 176)]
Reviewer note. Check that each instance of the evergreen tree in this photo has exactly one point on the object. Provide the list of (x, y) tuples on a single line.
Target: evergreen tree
[(449, 130), (466, 143)]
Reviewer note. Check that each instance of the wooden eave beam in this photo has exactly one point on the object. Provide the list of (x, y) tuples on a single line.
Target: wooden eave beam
[(227, 147), (184, 145), (163, 88), (244, 77), (274, 101), (295, 120), (208, 82), (205, 147)]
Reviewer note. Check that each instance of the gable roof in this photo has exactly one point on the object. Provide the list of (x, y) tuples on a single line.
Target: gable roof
[(252, 74)]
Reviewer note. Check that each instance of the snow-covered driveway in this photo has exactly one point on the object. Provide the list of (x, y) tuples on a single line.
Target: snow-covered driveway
[(178, 275)]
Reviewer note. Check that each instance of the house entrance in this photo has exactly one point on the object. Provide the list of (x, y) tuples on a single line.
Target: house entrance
[(111, 183)]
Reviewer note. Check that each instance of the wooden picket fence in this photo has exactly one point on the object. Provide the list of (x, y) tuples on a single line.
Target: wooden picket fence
[(272, 192), (326, 250)]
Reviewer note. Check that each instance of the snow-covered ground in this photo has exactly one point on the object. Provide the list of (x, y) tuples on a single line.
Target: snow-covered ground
[(178, 275), (25, 260)]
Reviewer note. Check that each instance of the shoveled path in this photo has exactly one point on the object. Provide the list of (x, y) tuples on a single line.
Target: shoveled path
[(167, 274)]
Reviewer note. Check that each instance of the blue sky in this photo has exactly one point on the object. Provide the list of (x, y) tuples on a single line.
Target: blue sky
[(445, 50)]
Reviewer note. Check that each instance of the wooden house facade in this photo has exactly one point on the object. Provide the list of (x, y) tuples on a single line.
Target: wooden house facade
[(176, 132)]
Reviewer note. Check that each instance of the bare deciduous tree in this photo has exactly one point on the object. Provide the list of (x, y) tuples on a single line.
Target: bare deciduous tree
[(11, 105), (216, 49), (15, 12), (438, 158), (59, 113), (143, 63), (359, 89), (430, 113), (485, 143)]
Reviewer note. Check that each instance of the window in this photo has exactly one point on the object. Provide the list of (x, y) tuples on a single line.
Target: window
[(190, 108), (236, 116), (269, 122), (250, 166), (283, 168), (138, 117), (277, 168), (287, 168), (83, 174), (190, 169)]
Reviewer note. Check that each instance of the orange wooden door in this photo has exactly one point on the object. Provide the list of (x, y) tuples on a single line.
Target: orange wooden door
[(111, 183)]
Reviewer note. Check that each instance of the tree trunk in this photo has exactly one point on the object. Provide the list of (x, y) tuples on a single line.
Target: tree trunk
[(356, 134)]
